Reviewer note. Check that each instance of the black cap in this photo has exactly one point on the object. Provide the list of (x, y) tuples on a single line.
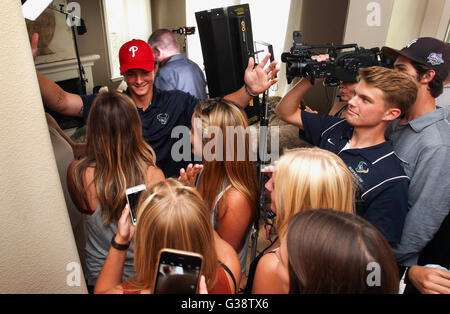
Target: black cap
[(430, 52)]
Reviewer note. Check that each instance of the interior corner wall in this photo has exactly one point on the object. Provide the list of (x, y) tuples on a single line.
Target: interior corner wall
[(406, 22), (322, 22), (170, 14), (94, 40), (436, 19), (38, 252), (292, 25), (368, 22)]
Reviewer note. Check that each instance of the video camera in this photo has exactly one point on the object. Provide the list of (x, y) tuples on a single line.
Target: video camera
[(340, 67)]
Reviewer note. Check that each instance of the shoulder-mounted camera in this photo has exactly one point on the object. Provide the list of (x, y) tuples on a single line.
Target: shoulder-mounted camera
[(342, 65)]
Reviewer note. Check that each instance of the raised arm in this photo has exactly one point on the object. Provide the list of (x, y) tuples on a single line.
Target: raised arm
[(53, 96), (111, 274), (257, 80), (288, 109)]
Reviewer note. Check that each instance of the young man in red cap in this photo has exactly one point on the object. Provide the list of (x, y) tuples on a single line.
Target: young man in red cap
[(160, 111), (421, 139)]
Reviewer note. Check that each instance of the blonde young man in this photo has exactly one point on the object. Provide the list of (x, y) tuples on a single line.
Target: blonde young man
[(381, 96)]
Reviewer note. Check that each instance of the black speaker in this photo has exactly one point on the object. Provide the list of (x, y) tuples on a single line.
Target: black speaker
[(227, 43)]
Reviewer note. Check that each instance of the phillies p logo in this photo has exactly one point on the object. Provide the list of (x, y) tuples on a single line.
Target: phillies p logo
[(133, 49)]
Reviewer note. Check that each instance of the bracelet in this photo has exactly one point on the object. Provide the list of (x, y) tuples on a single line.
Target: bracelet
[(249, 92), (117, 246)]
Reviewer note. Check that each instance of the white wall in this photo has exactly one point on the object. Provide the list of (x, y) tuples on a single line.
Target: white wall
[(266, 26), (37, 239), (417, 18), (406, 22), (368, 22)]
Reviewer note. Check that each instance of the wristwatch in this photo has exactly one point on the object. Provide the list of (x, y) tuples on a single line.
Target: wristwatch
[(117, 246)]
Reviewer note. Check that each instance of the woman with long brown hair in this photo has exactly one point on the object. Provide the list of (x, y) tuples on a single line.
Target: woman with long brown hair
[(117, 158), (170, 215), (331, 252), (228, 182)]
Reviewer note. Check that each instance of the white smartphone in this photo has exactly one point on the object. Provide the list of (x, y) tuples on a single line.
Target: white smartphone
[(133, 195), (178, 272)]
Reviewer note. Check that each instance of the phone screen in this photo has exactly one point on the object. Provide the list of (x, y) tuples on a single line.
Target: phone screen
[(133, 200), (177, 273)]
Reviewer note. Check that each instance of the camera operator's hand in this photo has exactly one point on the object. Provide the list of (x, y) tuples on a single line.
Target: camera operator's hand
[(321, 58), (259, 79)]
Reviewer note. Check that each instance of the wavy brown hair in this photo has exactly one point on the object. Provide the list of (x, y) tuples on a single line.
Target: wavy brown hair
[(238, 170), (332, 252), (116, 150), (172, 215)]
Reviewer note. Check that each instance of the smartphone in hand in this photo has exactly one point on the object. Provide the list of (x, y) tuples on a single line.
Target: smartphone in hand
[(178, 272), (133, 194)]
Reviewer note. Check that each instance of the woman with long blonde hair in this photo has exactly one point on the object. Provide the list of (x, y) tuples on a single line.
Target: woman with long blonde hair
[(117, 158), (228, 182), (170, 215), (304, 179)]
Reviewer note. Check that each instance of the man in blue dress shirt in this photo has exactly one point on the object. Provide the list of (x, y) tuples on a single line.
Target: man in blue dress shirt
[(175, 70)]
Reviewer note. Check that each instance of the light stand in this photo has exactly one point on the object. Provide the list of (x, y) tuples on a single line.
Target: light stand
[(81, 29), (263, 132), (185, 30)]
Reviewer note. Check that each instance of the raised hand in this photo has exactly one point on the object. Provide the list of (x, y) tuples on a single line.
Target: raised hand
[(259, 79), (189, 176), (125, 230)]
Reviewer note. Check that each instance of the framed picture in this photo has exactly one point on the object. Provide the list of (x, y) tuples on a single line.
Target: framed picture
[(55, 36)]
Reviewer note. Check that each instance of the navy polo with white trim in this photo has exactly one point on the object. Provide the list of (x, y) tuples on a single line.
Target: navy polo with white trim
[(167, 110), (382, 195)]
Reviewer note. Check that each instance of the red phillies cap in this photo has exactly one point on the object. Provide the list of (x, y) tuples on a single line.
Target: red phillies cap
[(136, 54)]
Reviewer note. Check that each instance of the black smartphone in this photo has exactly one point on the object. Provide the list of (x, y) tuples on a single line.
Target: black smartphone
[(133, 195), (178, 272)]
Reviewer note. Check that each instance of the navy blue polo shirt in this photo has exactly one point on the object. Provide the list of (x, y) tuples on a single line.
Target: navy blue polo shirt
[(382, 194), (167, 110)]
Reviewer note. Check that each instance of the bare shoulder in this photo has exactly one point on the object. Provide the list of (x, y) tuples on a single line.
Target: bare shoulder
[(90, 189), (235, 196), (234, 199), (267, 263), (228, 256), (266, 275), (116, 290)]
